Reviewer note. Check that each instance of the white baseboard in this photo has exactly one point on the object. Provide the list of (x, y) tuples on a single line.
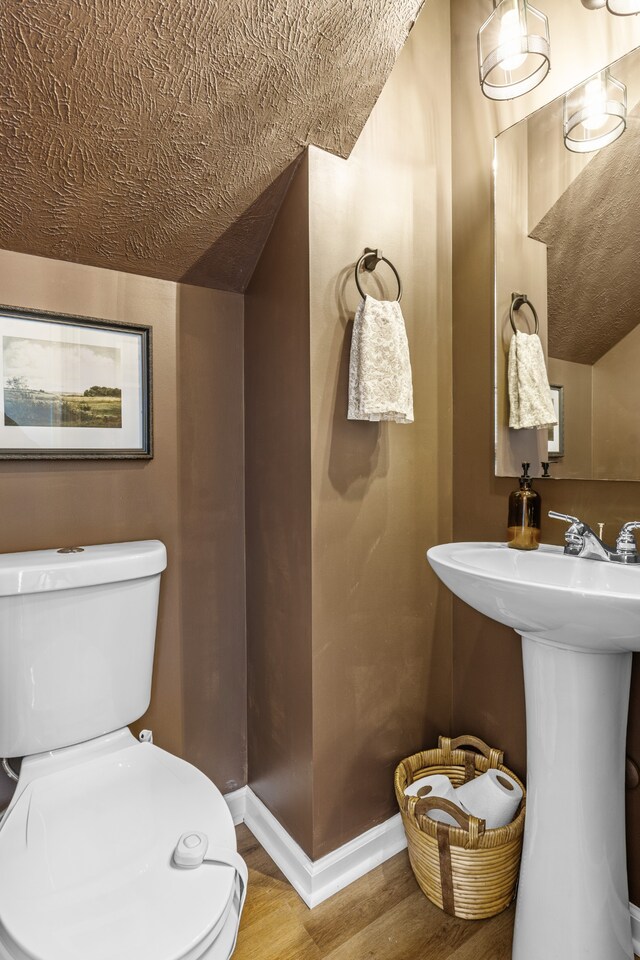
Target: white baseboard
[(635, 928), (317, 880), (237, 803)]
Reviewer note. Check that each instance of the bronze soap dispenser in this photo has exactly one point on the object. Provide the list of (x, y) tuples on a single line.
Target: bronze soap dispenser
[(525, 510)]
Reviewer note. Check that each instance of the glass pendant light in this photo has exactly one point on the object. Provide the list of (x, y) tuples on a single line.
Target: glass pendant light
[(595, 113), (513, 50), (623, 8)]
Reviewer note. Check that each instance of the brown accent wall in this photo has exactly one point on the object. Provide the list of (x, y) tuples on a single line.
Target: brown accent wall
[(579, 446), (616, 402), (278, 517), (189, 495), (488, 695), (348, 630), (381, 492), (211, 512)]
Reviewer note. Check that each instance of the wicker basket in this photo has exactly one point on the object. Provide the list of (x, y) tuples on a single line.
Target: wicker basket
[(469, 872)]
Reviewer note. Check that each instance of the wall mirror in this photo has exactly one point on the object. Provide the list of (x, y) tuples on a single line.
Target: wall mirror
[(567, 234)]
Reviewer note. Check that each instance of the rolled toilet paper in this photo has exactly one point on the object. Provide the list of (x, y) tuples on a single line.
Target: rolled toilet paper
[(437, 785), (493, 797)]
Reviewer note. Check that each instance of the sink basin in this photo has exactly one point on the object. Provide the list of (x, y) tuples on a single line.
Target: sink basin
[(586, 604), (579, 621)]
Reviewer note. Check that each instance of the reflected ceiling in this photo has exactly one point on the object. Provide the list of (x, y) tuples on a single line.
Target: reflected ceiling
[(158, 136), (592, 234)]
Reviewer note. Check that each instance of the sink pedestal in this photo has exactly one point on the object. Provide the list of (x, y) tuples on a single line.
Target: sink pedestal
[(580, 622), (573, 901)]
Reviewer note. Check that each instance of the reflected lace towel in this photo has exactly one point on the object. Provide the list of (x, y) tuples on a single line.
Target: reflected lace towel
[(530, 403), (380, 386)]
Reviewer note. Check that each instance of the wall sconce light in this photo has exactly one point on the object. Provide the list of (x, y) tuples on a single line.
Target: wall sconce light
[(620, 8), (595, 113), (513, 50)]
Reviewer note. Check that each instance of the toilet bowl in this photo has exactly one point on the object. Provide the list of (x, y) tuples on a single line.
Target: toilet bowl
[(87, 844)]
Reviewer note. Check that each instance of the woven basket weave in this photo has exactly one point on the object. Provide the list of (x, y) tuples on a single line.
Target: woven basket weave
[(467, 871)]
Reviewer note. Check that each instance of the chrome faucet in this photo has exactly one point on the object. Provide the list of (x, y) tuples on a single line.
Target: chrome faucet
[(581, 541)]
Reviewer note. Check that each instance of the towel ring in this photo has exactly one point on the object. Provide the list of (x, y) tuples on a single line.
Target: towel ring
[(518, 300), (370, 259)]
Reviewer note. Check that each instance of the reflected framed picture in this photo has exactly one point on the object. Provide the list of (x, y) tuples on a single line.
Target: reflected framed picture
[(74, 387), (555, 447)]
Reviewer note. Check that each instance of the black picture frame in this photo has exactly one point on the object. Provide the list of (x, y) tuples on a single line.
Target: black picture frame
[(94, 416)]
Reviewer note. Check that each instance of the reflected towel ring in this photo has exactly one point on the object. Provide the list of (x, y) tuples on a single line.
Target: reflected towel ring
[(370, 259), (518, 300)]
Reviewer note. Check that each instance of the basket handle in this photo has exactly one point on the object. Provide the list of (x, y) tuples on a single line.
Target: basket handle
[(475, 829), (466, 821), (494, 756)]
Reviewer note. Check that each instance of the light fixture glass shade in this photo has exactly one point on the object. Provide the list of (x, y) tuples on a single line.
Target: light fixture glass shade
[(623, 8), (595, 113), (513, 50)]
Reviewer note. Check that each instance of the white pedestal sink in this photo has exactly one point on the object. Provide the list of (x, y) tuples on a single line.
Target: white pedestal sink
[(579, 621)]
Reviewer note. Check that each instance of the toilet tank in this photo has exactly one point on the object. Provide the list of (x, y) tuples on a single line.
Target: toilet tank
[(77, 635)]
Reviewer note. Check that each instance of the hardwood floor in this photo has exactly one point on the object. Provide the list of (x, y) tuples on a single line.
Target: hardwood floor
[(383, 916)]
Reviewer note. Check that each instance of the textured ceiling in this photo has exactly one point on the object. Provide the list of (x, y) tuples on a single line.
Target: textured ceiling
[(158, 136), (593, 238)]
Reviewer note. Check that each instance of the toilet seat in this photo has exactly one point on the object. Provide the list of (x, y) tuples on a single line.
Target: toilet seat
[(86, 870)]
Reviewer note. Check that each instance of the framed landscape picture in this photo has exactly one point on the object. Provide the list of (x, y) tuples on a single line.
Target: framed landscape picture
[(73, 387)]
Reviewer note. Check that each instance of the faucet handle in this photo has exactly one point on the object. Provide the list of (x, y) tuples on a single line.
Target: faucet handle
[(564, 516), (631, 525), (574, 535), (626, 542)]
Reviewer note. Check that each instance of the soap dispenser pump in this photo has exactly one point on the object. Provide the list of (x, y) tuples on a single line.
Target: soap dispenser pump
[(525, 509)]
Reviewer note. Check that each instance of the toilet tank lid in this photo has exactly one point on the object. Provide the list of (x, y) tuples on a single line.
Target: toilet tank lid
[(39, 571)]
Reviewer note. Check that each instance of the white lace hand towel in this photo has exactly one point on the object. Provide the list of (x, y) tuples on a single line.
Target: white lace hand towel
[(380, 386), (530, 403)]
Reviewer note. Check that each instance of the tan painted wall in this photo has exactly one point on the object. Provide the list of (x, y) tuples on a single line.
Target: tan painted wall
[(211, 515), (616, 403), (381, 493), (278, 511), (577, 380), (47, 504), (488, 694), (348, 630)]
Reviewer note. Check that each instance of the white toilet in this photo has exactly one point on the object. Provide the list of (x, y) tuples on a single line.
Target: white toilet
[(91, 867)]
